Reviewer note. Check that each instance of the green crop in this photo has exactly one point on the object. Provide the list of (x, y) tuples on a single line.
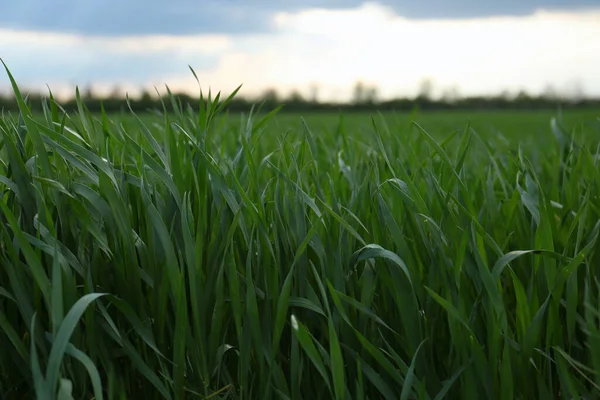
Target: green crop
[(193, 254)]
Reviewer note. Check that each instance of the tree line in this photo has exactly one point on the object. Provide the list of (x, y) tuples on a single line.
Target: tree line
[(364, 99)]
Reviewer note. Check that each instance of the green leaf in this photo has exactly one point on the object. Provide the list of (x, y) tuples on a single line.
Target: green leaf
[(306, 341), (63, 335), (375, 251)]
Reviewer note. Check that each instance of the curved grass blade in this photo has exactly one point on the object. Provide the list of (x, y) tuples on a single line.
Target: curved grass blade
[(63, 335)]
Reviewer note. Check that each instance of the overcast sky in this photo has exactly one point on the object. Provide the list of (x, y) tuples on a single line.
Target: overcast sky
[(474, 45)]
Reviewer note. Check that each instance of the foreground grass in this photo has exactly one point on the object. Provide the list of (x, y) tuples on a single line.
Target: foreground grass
[(183, 259)]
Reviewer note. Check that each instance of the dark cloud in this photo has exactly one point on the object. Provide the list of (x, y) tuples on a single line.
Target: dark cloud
[(482, 8), (184, 17)]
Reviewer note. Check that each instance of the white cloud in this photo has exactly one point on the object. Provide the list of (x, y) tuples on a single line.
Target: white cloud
[(146, 43), (65, 60), (477, 54), (335, 48)]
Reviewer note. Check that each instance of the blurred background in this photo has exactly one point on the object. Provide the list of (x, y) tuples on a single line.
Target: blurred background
[(443, 53)]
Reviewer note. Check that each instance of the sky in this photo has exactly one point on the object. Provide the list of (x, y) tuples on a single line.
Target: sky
[(470, 46)]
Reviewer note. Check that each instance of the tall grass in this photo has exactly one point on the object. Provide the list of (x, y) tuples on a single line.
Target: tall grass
[(192, 256)]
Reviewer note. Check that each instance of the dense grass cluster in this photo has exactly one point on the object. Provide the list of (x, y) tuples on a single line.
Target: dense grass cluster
[(191, 255)]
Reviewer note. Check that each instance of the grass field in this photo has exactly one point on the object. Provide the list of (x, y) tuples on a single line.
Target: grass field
[(270, 257)]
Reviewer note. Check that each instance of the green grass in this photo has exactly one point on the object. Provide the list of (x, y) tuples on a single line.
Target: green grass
[(194, 256)]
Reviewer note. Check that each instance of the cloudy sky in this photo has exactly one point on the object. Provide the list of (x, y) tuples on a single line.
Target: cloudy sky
[(476, 46)]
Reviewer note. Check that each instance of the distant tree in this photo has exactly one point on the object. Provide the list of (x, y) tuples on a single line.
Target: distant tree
[(371, 94), (295, 97), (87, 92), (522, 95), (270, 95), (364, 93), (115, 93), (451, 94), (505, 95), (358, 96), (425, 89), (146, 96), (314, 92), (549, 92)]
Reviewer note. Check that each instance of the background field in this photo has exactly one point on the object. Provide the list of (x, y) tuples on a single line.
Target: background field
[(525, 127), (193, 255), (515, 125)]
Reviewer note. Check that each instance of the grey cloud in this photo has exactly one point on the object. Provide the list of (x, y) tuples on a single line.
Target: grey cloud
[(483, 8), (184, 17)]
